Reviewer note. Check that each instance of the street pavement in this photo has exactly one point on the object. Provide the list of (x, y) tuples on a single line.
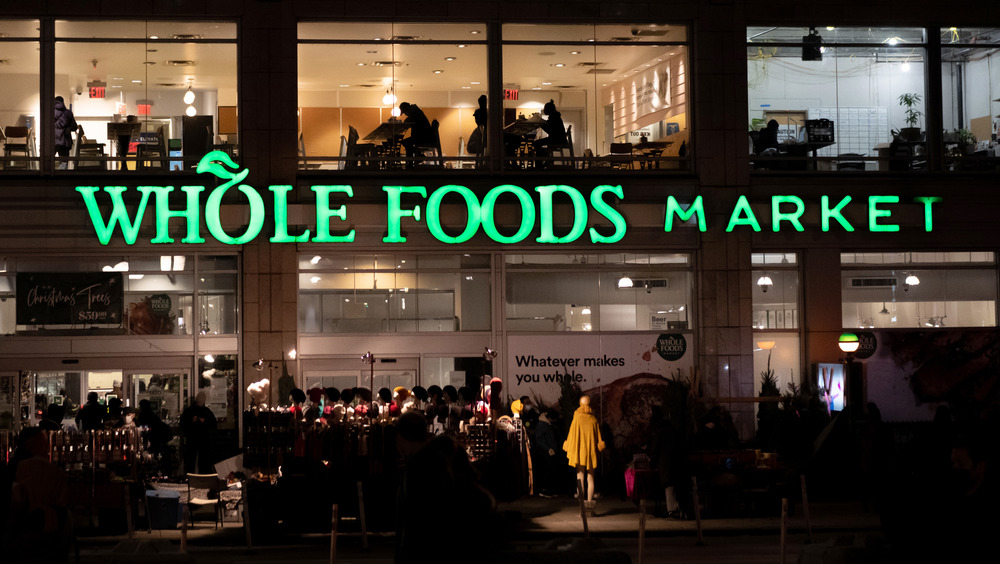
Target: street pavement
[(546, 530)]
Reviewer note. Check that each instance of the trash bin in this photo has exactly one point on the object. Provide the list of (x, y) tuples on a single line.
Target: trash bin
[(163, 508)]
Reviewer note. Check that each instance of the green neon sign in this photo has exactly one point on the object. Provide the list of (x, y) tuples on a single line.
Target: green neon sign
[(412, 205)]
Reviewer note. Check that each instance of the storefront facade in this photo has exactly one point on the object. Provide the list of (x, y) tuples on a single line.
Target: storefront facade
[(297, 252)]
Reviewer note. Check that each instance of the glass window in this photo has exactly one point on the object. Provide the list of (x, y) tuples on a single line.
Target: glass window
[(20, 104), (354, 79), (393, 293), (217, 380), (619, 93), (159, 291), (970, 97), (775, 291), (147, 94), (552, 293), (865, 82), (919, 294)]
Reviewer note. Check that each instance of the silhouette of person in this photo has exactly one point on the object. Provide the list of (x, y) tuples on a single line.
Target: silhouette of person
[(65, 124), (420, 128), (768, 138), (198, 424), (53, 418), (554, 130), (39, 517), (91, 415)]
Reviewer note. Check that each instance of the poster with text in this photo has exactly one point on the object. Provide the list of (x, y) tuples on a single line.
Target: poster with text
[(536, 364)]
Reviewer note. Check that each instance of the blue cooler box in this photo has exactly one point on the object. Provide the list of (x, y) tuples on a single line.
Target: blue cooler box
[(163, 508)]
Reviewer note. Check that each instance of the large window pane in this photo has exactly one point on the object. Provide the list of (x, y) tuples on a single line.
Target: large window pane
[(353, 77), (128, 84), (610, 84), (970, 97), (852, 77), (393, 293), (918, 289), (552, 293), (20, 103)]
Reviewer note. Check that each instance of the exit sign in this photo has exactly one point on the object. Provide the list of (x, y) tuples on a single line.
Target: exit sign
[(97, 88), (510, 93)]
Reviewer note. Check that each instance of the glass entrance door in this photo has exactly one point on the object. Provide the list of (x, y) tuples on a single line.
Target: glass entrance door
[(165, 390)]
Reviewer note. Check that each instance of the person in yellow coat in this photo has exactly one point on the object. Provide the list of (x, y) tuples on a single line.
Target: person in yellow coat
[(582, 445)]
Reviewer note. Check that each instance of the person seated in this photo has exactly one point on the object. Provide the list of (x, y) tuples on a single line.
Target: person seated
[(768, 139), (554, 129), (421, 133)]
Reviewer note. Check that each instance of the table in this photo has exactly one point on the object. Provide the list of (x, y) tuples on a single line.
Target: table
[(388, 131), (523, 127), (797, 149), (649, 150)]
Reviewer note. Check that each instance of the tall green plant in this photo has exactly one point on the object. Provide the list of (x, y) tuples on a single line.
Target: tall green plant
[(910, 115)]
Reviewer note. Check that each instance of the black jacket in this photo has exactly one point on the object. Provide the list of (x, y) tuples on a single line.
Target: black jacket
[(65, 125)]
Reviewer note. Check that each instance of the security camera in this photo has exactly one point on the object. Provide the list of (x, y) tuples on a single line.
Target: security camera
[(79, 91)]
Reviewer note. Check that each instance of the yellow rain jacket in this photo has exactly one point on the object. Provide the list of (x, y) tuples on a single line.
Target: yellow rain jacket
[(584, 440)]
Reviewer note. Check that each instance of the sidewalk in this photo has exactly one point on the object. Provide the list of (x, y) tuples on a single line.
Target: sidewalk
[(531, 520)]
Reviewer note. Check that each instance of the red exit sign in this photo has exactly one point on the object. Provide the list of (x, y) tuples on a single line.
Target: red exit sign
[(510, 93), (96, 91)]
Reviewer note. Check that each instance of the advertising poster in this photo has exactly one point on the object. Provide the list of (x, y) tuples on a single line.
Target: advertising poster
[(69, 298), (910, 373), (623, 374)]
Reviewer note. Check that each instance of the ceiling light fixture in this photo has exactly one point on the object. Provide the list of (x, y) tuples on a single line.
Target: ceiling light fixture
[(190, 111), (911, 280), (764, 282), (189, 96), (625, 282)]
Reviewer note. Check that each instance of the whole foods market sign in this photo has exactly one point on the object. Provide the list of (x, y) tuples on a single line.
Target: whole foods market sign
[(331, 203)]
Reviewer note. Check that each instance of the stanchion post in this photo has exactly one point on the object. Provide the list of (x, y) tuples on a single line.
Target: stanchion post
[(333, 534), (186, 514), (361, 517), (805, 509), (784, 528), (697, 510), (642, 527)]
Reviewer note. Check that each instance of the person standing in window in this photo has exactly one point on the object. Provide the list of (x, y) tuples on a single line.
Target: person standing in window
[(65, 126), (198, 424), (421, 133)]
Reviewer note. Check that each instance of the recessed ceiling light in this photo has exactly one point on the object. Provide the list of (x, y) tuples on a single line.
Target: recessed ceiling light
[(574, 52), (466, 87), (117, 78), (461, 46), (154, 36), (116, 86), (361, 64), (560, 64), (546, 83), (475, 32), (437, 71), (136, 82), (449, 58), (591, 40), (537, 88), (475, 82), (344, 85)]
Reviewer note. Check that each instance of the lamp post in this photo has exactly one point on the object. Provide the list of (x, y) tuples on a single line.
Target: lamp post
[(854, 392)]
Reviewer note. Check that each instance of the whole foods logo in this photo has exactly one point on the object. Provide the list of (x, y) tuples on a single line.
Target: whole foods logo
[(671, 346)]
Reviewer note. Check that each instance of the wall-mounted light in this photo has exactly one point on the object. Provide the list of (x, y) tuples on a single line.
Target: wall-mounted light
[(189, 96), (764, 282), (292, 354), (848, 342)]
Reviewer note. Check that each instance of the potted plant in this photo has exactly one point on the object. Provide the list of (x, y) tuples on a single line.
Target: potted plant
[(911, 116)]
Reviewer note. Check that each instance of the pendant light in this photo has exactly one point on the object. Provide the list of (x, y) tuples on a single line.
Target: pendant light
[(189, 96)]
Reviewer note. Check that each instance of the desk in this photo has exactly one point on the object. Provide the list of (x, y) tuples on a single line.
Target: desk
[(797, 149)]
